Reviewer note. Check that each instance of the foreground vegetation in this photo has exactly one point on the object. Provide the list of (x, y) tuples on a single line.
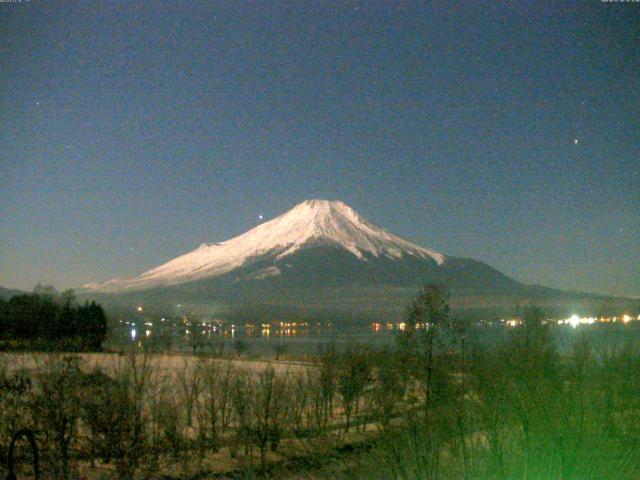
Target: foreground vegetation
[(438, 405), (521, 411)]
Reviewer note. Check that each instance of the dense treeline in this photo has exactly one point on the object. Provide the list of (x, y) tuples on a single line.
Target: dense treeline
[(48, 320), (438, 405)]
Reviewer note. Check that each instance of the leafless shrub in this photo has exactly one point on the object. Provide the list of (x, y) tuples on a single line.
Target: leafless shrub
[(109, 413), (168, 418)]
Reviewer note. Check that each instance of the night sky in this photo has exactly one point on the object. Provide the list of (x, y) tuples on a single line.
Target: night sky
[(509, 132)]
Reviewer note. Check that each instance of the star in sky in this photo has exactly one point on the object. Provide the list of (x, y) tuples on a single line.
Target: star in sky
[(357, 114)]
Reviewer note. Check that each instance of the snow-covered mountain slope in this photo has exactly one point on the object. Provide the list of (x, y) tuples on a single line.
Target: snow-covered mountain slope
[(313, 221)]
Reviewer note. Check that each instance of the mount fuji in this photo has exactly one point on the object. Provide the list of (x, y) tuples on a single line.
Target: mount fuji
[(321, 258), (313, 223)]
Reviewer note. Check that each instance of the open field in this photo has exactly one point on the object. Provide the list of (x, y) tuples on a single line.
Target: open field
[(169, 364)]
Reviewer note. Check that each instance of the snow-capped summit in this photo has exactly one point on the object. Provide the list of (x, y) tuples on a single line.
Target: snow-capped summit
[(308, 223)]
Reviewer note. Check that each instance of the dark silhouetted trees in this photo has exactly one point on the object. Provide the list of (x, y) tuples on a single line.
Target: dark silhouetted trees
[(46, 319), (426, 320)]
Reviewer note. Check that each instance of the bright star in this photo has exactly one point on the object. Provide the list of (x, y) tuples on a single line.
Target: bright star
[(575, 141)]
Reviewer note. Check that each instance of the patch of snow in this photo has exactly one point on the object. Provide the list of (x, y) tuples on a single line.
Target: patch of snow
[(265, 273)]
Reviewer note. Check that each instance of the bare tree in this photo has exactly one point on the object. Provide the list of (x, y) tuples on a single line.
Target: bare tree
[(209, 414), (426, 318), (240, 396), (316, 417), (224, 395), (189, 386), (136, 372), (353, 375), (109, 414), (269, 411), (56, 407), (388, 389), (300, 400), (280, 349), (328, 376)]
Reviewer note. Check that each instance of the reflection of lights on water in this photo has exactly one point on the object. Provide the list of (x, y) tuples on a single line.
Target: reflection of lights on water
[(282, 329)]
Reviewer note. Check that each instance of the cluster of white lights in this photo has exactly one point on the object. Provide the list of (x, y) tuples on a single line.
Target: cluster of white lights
[(575, 320)]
